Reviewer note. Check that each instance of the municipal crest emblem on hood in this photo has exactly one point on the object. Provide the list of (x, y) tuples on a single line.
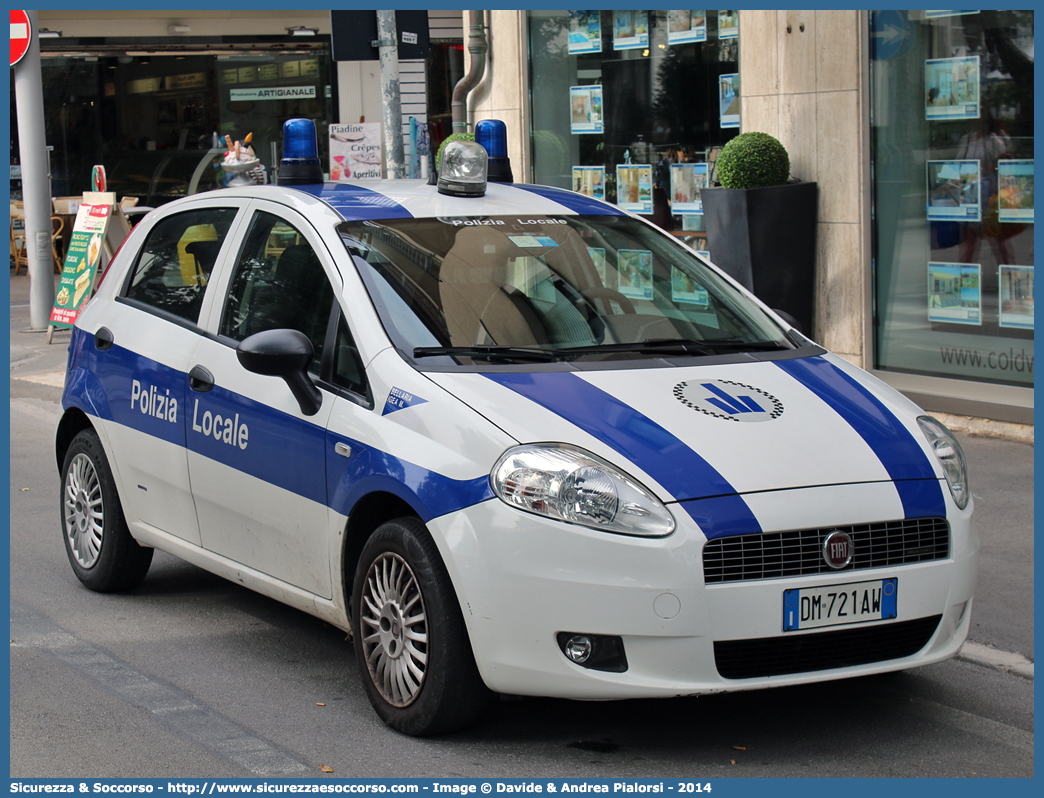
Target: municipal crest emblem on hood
[(729, 400)]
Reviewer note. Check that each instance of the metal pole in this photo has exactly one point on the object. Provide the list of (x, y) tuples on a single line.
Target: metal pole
[(391, 99), (32, 152)]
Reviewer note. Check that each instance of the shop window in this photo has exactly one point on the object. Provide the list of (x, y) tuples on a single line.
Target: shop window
[(952, 138), (158, 121), (633, 106)]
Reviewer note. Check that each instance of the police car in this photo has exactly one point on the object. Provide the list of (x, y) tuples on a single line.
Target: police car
[(516, 440)]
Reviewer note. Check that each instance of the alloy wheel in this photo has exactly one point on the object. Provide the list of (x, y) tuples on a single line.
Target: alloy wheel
[(84, 511), (395, 633)]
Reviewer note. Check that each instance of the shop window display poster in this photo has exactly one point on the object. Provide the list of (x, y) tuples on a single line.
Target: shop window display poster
[(585, 107), (585, 32), (1015, 194), (951, 88), (684, 27), (1016, 297), (630, 30), (728, 24), (955, 293), (634, 187), (693, 223), (729, 100), (954, 191), (687, 181), (589, 180), (355, 151), (685, 289), (635, 269)]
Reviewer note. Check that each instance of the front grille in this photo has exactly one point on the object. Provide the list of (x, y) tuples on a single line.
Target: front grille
[(801, 653), (773, 555)]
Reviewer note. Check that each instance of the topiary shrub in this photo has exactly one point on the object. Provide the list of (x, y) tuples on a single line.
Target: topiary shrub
[(753, 160), (447, 140)]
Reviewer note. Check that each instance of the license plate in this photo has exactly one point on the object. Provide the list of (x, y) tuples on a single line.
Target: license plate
[(833, 605)]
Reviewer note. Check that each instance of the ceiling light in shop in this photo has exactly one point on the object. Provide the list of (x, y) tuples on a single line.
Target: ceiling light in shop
[(301, 30)]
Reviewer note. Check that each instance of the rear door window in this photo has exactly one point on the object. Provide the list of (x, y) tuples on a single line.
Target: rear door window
[(175, 263)]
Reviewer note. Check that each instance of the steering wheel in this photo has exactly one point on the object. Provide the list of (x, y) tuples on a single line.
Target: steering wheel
[(609, 294)]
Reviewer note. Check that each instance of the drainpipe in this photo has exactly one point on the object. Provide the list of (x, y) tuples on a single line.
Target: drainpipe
[(478, 47)]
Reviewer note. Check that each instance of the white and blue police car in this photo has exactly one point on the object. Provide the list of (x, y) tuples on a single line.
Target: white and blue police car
[(515, 439)]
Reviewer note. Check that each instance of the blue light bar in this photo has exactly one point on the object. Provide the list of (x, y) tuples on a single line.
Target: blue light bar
[(492, 135), (300, 164)]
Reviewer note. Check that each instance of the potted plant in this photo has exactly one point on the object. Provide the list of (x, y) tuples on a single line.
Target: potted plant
[(761, 225)]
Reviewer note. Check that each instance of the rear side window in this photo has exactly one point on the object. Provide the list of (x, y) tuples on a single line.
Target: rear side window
[(175, 263)]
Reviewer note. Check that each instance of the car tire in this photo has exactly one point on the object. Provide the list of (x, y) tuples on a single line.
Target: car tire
[(103, 555), (411, 644)]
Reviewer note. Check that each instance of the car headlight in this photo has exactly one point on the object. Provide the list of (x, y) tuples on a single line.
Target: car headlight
[(568, 484), (950, 456)]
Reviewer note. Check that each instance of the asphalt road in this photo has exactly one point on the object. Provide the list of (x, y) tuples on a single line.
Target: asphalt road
[(190, 675)]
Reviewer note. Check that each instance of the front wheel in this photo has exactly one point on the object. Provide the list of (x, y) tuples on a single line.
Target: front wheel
[(101, 550), (411, 644)]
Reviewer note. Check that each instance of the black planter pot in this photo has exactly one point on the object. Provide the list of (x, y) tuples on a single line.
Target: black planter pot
[(765, 238)]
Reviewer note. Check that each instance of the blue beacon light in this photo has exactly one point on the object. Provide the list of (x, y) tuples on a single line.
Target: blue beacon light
[(300, 164), (492, 135)]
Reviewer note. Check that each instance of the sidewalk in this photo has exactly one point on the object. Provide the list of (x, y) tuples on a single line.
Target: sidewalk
[(1000, 459), (39, 368)]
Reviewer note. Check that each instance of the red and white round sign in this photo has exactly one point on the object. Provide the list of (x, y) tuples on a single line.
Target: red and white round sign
[(21, 35)]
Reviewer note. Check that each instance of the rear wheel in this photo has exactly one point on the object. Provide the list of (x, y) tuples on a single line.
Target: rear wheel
[(101, 550), (411, 644)]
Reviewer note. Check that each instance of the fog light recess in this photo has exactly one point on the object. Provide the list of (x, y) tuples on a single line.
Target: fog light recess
[(596, 652)]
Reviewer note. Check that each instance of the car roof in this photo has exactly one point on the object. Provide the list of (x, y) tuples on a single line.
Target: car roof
[(416, 199), (403, 199)]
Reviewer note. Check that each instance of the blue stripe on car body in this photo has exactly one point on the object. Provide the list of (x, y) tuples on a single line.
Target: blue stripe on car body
[(904, 460), (580, 203), (273, 438), (641, 441), (358, 202)]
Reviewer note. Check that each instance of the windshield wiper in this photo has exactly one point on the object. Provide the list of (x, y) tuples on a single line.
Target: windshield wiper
[(487, 351), (710, 346), (685, 346), (739, 343)]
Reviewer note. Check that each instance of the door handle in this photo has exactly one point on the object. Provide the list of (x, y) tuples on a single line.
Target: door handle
[(200, 379), (103, 339)]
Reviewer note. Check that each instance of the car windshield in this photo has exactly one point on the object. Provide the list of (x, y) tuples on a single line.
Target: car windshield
[(548, 288)]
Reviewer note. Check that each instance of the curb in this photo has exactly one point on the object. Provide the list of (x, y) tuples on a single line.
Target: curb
[(987, 428), (996, 659)]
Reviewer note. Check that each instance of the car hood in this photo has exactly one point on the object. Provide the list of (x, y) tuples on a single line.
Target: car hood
[(714, 431)]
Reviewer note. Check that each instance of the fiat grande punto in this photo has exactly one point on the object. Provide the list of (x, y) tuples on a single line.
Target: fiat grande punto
[(514, 439)]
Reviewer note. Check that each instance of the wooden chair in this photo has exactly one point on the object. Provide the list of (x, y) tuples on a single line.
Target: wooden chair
[(57, 225), (19, 256)]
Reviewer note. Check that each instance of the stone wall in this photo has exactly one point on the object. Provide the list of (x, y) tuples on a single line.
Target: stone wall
[(801, 80)]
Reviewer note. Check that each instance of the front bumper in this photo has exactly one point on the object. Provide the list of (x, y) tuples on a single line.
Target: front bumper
[(521, 579)]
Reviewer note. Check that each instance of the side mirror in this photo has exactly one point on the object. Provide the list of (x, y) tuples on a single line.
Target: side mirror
[(286, 354)]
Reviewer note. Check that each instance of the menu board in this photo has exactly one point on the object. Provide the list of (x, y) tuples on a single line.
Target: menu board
[(82, 257)]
